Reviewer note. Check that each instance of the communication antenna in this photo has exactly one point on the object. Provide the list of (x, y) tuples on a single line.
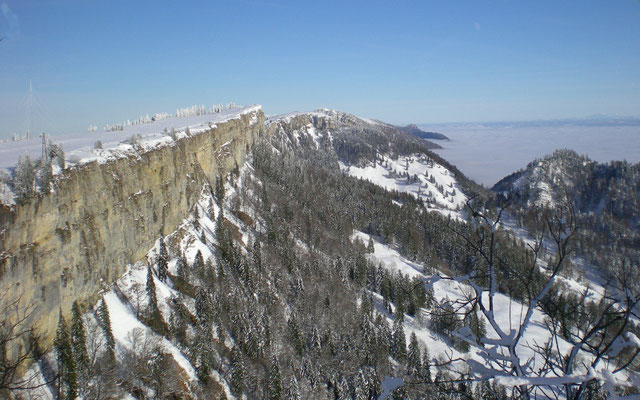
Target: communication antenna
[(29, 110), (44, 145)]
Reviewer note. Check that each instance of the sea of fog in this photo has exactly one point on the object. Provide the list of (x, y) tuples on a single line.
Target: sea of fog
[(488, 152)]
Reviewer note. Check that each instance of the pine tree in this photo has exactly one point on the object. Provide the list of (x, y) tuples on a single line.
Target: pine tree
[(153, 311), (198, 263), (151, 293), (237, 372), (67, 379), (399, 341), (257, 256), (181, 268), (274, 390), (203, 308), (45, 175), (219, 192), (414, 361), (105, 324), (293, 391), (24, 179), (370, 246), (341, 390), (162, 262), (360, 387), (293, 331), (425, 370), (79, 342)]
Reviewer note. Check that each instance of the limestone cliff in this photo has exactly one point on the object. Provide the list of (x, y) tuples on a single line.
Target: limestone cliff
[(67, 245)]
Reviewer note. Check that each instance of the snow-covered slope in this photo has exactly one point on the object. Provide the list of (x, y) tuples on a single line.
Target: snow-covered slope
[(485, 356), (418, 175), (381, 153)]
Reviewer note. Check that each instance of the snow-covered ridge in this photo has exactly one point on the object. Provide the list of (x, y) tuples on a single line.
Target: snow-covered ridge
[(81, 147), (321, 112)]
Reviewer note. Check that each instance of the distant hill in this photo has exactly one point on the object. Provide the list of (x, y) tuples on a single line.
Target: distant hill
[(606, 199), (413, 129)]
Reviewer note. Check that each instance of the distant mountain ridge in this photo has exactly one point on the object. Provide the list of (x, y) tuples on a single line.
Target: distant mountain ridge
[(414, 130)]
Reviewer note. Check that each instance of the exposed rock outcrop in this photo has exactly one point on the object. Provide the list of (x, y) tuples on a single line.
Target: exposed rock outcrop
[(69, 244)]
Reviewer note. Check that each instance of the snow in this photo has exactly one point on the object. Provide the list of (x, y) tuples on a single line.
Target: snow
[(431, 178), (390, 258), (79, 147), (508, 316), (124, 321), (321, 112)]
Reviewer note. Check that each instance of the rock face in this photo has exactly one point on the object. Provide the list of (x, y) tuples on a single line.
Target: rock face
[(68, 245)]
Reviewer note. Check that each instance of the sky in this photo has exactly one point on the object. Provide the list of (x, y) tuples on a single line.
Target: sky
[(104, 61)]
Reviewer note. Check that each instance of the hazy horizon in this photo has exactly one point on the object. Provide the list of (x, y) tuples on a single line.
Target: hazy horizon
[(95, 63), (488, 153)]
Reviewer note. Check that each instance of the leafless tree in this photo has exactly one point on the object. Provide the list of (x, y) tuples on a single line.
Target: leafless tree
[(17, 344), (593, 345)]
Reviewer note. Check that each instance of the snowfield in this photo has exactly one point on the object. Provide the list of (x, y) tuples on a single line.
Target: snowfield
[(79, 147), (417, 175)]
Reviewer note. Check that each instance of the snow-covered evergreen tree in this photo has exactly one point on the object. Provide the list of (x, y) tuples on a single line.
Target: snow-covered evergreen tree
[(24, 179), (399, 341), (237, 372), (414, 360), (274, 389), (105, 323), (67, 378), (79, 342), (163, 262)]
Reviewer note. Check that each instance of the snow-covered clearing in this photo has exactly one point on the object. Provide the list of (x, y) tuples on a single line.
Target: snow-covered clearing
[(417, 175)]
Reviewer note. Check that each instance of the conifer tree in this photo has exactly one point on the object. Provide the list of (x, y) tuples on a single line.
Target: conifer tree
[(370, 246), (361, 392), (237, 372), (105, 324), (67, 379), (203, 309), (274, 390), (295, 337), (79, 342), (414, 361), (198, 263), (219, 192), (257, 256), (24, 178), (181, 268), (151, 293), (293, 390), (45, 175), (399, 341), (425, 370), (163, 262)]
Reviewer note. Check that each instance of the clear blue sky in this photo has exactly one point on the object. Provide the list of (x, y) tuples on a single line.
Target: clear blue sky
[(100, 61)]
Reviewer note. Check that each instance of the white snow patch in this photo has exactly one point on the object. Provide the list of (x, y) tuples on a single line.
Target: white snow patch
[(417, 175)]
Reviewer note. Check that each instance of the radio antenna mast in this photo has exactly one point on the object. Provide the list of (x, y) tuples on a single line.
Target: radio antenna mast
[(29, 108)]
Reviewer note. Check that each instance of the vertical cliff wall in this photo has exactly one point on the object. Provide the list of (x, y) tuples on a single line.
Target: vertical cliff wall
[(67, 245)]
